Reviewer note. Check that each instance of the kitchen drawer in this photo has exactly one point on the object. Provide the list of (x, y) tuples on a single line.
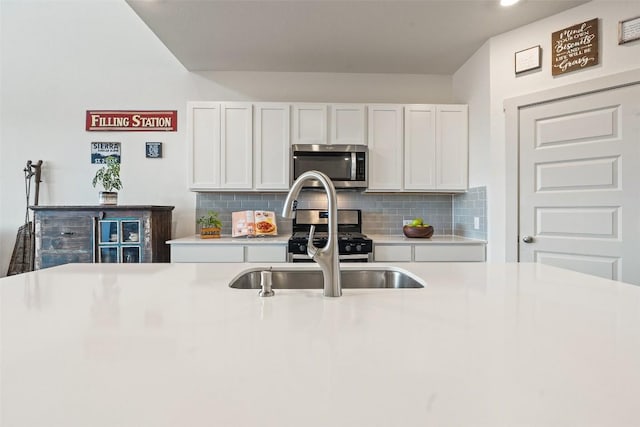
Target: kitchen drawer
[(271, 253), (444, 253), (392, 253), (207, 253)]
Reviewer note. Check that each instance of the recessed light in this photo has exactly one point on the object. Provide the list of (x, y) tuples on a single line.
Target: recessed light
[(508, 2)]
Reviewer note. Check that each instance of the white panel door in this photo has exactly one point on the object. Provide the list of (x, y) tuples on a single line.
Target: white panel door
[(452, 147), (236, 169), (348, 124), (271, 146), (309, 124), (203, 135), (580, 183), (419, 147), (385, 147)]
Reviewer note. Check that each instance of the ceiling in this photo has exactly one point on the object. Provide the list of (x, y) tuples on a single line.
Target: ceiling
[(341, 36)]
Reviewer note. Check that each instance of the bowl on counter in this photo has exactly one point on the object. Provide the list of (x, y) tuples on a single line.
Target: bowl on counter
[(418, 232)]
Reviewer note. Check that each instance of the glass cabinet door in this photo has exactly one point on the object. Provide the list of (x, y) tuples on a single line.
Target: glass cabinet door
[(108, 232), (109, 254), (130, 231), (119, 240), (130, 254)]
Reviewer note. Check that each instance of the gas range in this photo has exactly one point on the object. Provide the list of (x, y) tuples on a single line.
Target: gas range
[(353, 246)]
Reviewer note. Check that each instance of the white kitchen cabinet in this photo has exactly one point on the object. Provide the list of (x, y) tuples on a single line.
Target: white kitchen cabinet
[(313, 125), (236, 142), (347, 124), (392, 253), (266, 253), (435, 148), (420, 147), (384, 138), (271, 146), (207, 253), (448, 253), (203, 134), (452, 147), (220, 146), (309, 124), (226, 249), (429, 252)]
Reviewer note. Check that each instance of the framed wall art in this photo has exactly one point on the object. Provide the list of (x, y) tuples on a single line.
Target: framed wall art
[(528, 59), (153, 150), (629, 30)]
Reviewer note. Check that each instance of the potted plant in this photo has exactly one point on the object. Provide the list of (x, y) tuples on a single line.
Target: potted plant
[(109, 177), (210, 225)]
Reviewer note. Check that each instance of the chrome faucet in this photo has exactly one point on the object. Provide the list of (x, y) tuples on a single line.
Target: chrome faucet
[(326, 257)]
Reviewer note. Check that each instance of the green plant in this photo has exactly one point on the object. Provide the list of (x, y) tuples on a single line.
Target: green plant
[(109, 176), (210, 220)]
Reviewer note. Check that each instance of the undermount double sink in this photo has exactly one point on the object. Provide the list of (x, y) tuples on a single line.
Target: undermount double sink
[(284, 278)]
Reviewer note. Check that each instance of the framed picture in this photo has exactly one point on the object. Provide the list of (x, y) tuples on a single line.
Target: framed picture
[(101, 150), (528, 59), (629, 30), (153, 150)]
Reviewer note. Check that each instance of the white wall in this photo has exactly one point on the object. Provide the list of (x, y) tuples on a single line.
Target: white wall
[(471, 86), (504, 84), (61, 58)]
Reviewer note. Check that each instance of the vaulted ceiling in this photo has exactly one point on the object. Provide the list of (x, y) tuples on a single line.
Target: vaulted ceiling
[(343, 36)]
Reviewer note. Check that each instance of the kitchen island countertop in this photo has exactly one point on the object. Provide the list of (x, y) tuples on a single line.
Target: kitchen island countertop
[(172, 345)]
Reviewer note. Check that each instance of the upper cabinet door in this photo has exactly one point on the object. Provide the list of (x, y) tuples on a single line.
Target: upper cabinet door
[(203, 134), (348, 124), (309, 124), (385, 147), (271, 146), (452, 147), (420, 147), (236, 153)]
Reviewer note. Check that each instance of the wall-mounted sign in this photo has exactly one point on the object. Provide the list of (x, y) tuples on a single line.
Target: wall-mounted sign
[(528, 59), (575, 47), (101, 150), (629, 30), (120, 120), (153, 150)]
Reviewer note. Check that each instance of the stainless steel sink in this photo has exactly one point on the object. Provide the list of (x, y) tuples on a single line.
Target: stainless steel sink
[(283, 278)]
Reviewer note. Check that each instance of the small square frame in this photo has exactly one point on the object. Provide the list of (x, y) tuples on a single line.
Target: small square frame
[(153, 150), (629, 30), (528, 59)]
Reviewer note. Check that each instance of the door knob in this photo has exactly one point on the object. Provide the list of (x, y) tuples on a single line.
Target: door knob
[(527, 239)]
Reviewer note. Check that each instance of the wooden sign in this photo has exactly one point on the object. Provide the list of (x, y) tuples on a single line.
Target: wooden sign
[(575, 47), (119, 120)]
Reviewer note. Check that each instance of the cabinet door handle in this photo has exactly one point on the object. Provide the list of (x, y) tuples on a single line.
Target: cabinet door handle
[(67, 233)]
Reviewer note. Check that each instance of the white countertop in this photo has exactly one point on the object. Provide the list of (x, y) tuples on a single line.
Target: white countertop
[(377, 238), (172, 345), (228, 240), (435, 239)]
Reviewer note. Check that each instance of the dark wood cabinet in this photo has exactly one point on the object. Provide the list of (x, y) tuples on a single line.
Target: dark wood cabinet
[(86, 234)]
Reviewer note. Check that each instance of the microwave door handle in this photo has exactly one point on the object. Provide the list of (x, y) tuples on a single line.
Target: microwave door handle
[(353, 166)]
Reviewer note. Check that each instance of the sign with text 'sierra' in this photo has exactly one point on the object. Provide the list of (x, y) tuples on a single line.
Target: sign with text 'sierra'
[(575, 47), (122, 120)]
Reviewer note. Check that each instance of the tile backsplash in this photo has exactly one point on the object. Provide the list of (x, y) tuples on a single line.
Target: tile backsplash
[(381, 213), (466, 208)]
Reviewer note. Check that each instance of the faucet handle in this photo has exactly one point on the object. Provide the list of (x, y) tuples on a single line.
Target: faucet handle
[(311, 248)]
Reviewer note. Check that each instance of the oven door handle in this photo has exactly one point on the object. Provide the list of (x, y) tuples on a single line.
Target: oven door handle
[(355, 256)]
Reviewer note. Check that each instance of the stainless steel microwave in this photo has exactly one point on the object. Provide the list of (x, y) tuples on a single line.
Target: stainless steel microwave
[(346, 165)]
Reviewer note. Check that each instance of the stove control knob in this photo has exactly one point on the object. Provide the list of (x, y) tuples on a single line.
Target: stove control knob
[(358, 248), (347, 248), (303, 248)]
